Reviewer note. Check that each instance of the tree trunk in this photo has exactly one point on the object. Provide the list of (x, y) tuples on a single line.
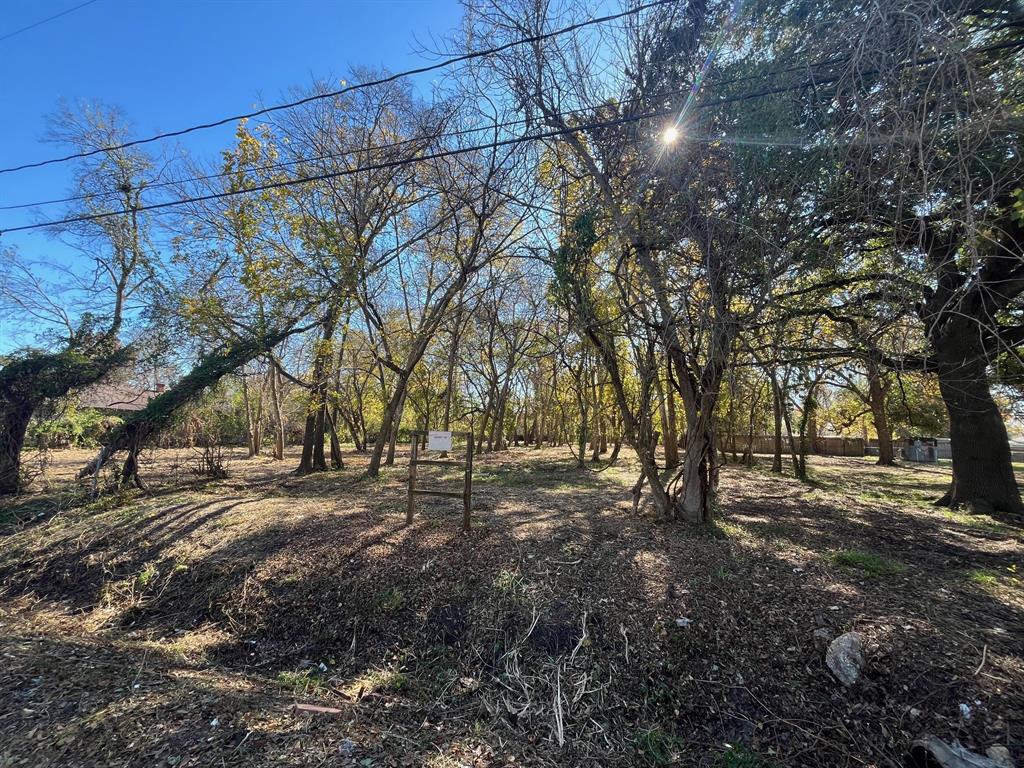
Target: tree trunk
[(275, 402), (337, 462), (396, 426), (27, 382), (983, 478), (16, 417), (498, 431), (696, 476), (808, 422), (616, 447), (667, 412), (748, 454), (387, 424), (306, 464), (876, 400), (319, 431), (313, 458), (251, 429), (777, 415), (449, 392), (671, 426), (788, 422)]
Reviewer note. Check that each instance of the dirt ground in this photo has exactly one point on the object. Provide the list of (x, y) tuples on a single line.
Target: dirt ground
[(180, 627)]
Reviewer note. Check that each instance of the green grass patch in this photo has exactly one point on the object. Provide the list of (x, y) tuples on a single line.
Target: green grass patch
[(377, 681), (980, 522), (120, 499), (146, 575), (659, 747), (7, 517), (306, 681), (868, 563), (723, 529), (982, 577), (509, 583), (740, 757), (389, 600)]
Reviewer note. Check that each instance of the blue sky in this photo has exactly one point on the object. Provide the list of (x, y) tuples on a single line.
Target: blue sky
[(172, 63)]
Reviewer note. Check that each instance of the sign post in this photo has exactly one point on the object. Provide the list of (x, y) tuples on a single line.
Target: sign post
[(441, 441)]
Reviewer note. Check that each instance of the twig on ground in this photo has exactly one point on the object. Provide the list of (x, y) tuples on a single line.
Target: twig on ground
[(984, 651)]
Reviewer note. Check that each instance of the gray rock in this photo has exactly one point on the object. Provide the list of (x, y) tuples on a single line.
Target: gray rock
[(1000, 755), (845, 657), (932, 750)]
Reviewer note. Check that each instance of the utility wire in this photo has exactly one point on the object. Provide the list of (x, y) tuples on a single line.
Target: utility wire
[(39, 23), (348, 89), (460, 132), (348, 153), (490, 145), (520, 121), (315, 158), (348, 171)]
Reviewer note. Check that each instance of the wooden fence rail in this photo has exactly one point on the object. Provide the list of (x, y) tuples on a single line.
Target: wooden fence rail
[(826, 446), (466, 463)]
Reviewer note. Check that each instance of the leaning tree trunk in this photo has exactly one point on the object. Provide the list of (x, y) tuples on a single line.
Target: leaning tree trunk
[(140, 426), (983, 478), (29, 381)]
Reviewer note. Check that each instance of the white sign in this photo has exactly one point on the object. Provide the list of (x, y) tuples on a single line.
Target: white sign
[(439, 441)]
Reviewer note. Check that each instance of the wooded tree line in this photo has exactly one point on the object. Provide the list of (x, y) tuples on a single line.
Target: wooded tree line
[(674, 231)]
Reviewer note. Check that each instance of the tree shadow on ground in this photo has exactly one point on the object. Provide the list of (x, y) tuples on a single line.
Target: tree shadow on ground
[(557, 614)]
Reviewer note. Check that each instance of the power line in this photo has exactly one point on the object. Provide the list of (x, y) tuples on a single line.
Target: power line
[(405, 161), (305, 179), (299, 161), (347, 172), (520, 121), (460, 132), (39, 23), (348, 89), (348, 153), (490, 145)]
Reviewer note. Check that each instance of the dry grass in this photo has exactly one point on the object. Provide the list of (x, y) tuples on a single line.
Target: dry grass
[(178, 627)]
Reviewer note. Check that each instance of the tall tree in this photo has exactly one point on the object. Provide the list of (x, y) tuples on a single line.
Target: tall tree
[(933, 169), (83, 310)]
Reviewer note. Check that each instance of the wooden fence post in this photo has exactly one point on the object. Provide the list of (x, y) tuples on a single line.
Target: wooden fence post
[(414, 453), (466, 494), (467, 489)]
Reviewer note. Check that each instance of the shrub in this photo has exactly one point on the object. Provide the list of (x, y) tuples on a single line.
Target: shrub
[(71, 426)]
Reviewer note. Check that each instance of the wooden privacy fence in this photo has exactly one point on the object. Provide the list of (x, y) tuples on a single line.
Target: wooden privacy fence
[(825, 446), (466, 463)]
